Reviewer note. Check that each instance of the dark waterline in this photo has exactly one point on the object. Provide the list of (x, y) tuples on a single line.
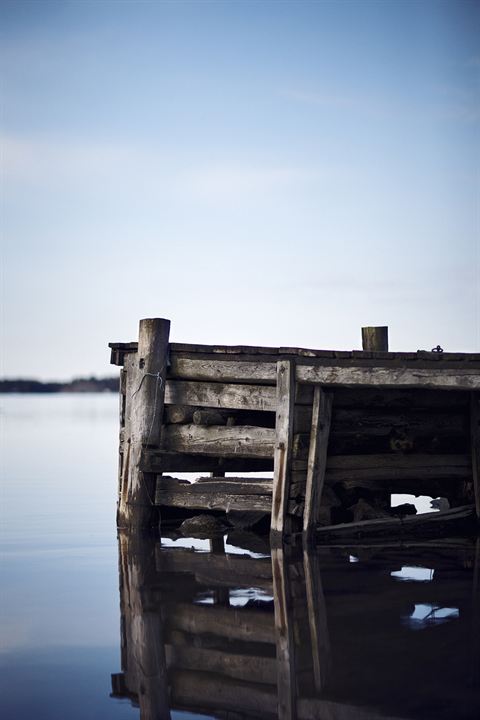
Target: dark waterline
[(397, 630)]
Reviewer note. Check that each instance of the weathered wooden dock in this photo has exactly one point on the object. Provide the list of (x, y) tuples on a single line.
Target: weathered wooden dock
[(331, 426)]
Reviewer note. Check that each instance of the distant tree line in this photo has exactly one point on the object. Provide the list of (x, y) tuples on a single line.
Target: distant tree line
[(78, 385)]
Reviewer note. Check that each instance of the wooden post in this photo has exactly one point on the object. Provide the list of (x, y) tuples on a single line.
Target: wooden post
[(283, 443), (475, 441), (375, 338), (317, 458), (145, 388)]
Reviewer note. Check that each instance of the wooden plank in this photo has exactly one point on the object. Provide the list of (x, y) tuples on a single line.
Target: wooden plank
[(224, 371), (213, 501), (435, 524), (428, 375), (317, 457), (283, 443), (215, 494), (475, 441), (192, 348), (391, 377), (221, 395), (238, 441)]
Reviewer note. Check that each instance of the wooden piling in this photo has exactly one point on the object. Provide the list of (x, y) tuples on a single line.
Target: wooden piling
[(283, 443), (317, 458), (145, 388), (375, 339)]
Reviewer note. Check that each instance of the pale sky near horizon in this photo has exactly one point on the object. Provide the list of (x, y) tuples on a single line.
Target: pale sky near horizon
[(268, 173)]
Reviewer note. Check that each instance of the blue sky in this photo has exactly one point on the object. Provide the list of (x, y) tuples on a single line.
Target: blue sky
[(258, 172)]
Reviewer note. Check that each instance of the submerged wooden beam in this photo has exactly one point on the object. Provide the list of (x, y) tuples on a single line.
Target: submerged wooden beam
[(283, 443), (317, 458), (455, 520)]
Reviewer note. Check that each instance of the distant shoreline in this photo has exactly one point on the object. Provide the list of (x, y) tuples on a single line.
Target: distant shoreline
[(77, 385)]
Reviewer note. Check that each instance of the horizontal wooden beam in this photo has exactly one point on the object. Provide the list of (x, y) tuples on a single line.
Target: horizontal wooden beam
[(215, 494), (225, 371), (214, 501), (284, 352), (325, 372), (220, 395), (243, 441), (391, 377)]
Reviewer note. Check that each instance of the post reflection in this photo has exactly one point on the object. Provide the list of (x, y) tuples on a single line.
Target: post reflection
[(344, 633)]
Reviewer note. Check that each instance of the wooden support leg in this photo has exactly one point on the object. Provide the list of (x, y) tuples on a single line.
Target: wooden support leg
[(317, 458), (145, 388), (283, 444), (285, 639), (475, 440)]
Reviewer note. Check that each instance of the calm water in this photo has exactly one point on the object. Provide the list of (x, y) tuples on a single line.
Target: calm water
[(344, 633)]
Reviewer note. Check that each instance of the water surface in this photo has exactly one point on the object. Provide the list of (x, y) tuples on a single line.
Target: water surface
[(200, 629)]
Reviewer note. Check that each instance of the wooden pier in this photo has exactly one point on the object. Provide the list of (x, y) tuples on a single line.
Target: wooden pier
[(327, 428)]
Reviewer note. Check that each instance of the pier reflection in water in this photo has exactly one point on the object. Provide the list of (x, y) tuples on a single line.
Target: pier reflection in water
[(339, 633)]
